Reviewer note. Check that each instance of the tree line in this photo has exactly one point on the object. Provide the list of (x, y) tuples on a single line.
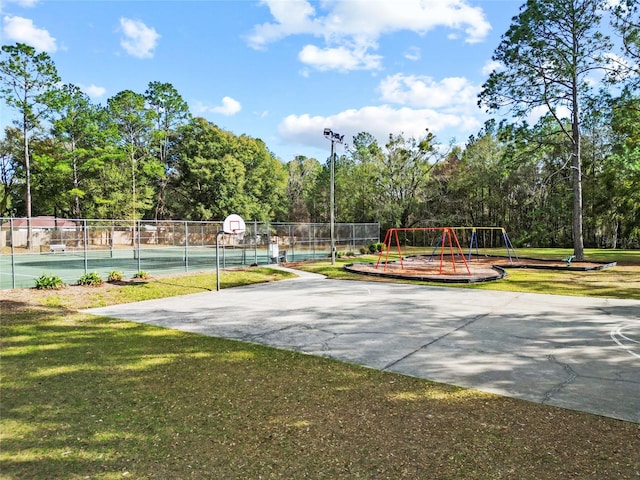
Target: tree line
[(570, 179)]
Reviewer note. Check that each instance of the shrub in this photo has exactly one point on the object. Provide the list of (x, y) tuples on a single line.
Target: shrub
[(141, 274), (363, 250), (49, 282), (115, 276), (92, 279), (376, 247)]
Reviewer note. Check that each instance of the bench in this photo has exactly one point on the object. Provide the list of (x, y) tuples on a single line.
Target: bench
[(57, 247)]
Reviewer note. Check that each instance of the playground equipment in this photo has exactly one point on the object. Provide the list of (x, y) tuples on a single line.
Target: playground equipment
[(453, 265), (448, 246), (511, 251), (448, 234)]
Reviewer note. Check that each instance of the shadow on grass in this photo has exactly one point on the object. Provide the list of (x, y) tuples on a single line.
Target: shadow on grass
[(179, 285), (93, 397), (616, 283)]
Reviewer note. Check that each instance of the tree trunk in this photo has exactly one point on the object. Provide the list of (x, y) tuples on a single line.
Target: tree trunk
[(27, 166), (76, 181), (578, 241)]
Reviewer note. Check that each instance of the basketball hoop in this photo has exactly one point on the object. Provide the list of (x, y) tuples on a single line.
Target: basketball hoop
[(234, 225)]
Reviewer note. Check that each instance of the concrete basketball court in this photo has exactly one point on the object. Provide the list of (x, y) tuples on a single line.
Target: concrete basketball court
[(573, 352)]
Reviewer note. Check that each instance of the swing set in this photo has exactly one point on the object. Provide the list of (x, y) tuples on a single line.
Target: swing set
[(447, 248)]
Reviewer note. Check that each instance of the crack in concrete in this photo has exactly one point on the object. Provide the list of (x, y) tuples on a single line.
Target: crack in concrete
[(272, 331), (437, 339), (571, 376)]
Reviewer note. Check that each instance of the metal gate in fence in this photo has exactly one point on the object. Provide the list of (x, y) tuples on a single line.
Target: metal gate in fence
[(69, 248)]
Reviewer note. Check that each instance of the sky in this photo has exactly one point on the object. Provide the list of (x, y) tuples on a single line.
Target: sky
[(281, 70)]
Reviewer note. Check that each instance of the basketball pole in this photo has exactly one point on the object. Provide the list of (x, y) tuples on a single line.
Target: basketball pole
[(232, 225), (218, 260)]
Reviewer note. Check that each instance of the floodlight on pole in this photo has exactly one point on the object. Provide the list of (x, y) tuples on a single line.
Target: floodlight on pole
[(334, 138)]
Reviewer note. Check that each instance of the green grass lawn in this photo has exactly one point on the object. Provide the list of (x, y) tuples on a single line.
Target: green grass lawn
[(99, 398), (621, 281), (621, 257)]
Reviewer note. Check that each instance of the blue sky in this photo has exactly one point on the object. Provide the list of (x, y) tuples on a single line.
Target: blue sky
[(281, 70)]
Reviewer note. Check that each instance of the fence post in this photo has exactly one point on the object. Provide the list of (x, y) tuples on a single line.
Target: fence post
[(85, 236), (134, 241), (255, 242), (268, 239), (353, 237), (13, 259), (186, 246)]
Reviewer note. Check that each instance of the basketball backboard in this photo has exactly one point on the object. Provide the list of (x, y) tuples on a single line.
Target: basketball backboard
[(233, 225)]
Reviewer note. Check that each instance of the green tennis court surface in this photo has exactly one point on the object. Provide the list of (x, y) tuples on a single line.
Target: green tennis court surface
[(20, 271)]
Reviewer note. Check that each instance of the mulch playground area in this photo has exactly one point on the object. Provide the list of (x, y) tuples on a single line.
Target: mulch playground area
[(463, 269)]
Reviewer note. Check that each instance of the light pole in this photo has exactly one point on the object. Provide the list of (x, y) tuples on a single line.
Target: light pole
[(334, 137)]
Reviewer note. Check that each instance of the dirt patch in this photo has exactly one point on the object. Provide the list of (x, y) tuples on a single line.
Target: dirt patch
[(423, 267), (77, 295), (462, 269)]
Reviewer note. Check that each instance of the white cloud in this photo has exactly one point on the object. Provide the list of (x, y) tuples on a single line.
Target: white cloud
[(538, 112), (93, 90), (23, 30), (139, 40), (490, 66), (620, 68), (449, 94), (411, 104), (366, 19), (357, 25), (379, 121), (340, 58), (23, 3), (292, 17), (413, 54), (228, 107)]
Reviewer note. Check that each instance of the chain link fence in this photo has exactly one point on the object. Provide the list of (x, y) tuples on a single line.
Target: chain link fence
[(69, 248)]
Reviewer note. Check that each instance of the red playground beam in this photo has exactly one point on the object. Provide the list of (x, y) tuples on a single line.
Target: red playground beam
[(448, 235)]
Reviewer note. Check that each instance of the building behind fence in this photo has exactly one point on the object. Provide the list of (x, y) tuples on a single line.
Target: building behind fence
[(70, 248)]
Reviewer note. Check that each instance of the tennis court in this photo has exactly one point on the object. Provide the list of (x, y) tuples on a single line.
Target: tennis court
[(70, 248), (20, 271)]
